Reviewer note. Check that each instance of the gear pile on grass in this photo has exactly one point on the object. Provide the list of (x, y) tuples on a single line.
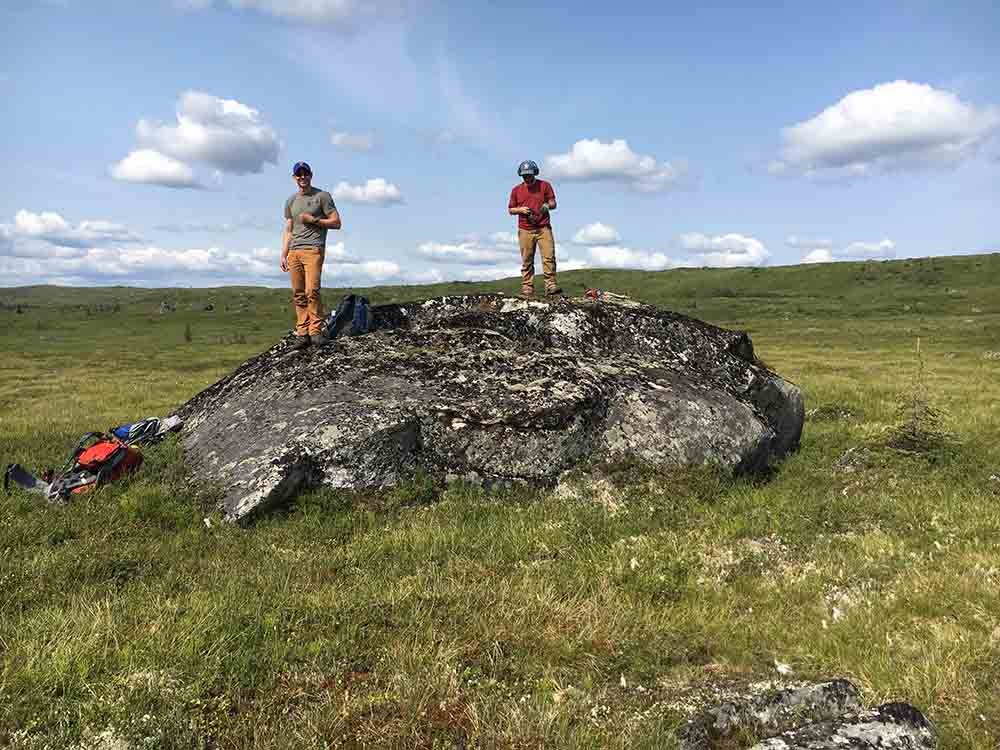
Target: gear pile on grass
[(491, 389)]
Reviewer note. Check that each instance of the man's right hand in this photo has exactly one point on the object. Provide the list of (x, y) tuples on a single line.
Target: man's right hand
[(284, 262)]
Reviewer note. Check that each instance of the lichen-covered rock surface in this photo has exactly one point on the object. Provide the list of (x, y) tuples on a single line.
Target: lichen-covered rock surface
[(489, 388), (817, 716)]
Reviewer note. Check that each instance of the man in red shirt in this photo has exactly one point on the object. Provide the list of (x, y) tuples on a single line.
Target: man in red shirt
[(531, 202)]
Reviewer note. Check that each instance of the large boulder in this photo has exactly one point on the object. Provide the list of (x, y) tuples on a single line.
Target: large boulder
[(494, 389)]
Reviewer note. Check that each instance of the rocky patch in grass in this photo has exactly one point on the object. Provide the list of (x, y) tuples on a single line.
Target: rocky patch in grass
[(819, 716), (829, 413)]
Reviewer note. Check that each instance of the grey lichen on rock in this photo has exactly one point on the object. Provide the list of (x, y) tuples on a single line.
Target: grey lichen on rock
[(893, 726), (488, 386), (818, 716)]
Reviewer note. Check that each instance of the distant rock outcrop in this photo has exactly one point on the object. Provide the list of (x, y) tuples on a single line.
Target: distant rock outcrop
[(493, 389)]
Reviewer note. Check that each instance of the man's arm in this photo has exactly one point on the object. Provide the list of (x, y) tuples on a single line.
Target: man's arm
[(549, 204), (330, 218), (513, 209), (332, 221), (286, 237)]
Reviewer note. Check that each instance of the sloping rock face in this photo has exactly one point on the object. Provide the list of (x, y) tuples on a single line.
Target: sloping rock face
[(494, 389)]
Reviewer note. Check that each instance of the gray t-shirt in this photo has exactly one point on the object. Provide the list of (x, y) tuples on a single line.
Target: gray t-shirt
[(317, 202)]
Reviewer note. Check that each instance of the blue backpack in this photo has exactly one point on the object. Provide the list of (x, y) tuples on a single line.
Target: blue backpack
[(353, 311), (362, 320)]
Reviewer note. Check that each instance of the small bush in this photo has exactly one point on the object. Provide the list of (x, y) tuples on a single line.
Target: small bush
[(919, 431)]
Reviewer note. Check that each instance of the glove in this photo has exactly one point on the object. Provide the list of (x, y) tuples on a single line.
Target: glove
[(543, 210)]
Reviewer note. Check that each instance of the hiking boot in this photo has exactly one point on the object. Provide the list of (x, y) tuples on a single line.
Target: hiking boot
[(300, 343), (553, 291)]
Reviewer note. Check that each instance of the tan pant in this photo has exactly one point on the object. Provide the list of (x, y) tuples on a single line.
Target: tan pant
[(528, 239), (305, 266)]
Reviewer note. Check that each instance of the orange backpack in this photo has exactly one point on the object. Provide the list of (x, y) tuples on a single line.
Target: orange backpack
[(98, 458)]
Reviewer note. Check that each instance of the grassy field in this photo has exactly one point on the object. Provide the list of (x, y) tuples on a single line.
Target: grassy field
[(446, 617)]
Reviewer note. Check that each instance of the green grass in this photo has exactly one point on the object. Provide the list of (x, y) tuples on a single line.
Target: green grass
[(435, 616)]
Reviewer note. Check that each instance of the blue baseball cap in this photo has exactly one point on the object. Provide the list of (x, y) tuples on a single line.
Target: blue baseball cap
[(301, 166)]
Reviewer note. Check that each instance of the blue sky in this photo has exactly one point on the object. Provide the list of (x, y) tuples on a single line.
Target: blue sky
[(151, 143)]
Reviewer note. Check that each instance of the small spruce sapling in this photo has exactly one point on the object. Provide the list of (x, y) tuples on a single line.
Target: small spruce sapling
[(919, 430)]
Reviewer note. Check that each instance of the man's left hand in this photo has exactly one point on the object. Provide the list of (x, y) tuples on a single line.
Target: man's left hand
[(307, 218), (544, 209)]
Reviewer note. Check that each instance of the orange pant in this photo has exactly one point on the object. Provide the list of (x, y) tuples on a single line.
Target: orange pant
[(528, 239), (305, 267)]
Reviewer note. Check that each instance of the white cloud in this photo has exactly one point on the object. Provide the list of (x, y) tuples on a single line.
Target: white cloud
[(179, 227), (38, 225), (366, 272), (806, 243), (43, 247), (242, 221), (854, 251), (492, 273), (726, 250), (590, 159), (223, 133), (49, 228), (338, 253), (820, 255), (465, 253), (14, 246), (380, 270), (892, 126), (596, 234), (569, 263), (869, 250), (616, 256), (156, 266), (474, 258), (470, 258), (153, 168), (376, 191), (352, 141), (148, 265), (410, 81), (344, 14), (425, 276), (507, 240)]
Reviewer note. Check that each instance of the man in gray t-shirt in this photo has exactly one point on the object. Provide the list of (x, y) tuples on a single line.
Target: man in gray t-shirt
[(309, 213)]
